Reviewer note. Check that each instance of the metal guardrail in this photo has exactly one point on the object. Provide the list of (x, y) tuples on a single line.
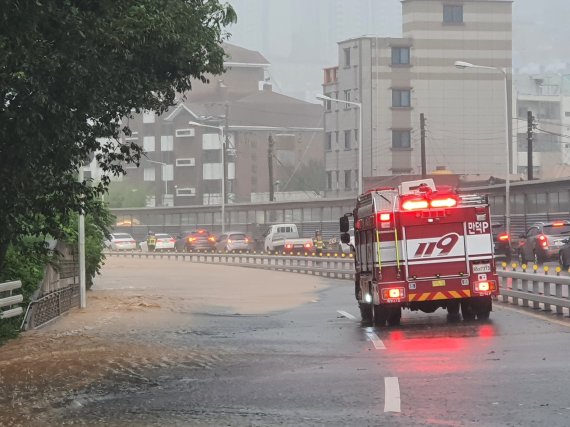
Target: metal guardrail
[(539, 290), (328, 265), (10, 299)]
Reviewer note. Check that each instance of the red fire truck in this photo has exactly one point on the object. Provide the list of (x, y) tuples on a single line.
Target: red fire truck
[(422, 248)]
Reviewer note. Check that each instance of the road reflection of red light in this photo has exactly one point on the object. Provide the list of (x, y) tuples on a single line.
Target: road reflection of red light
[(424, 345), (396, 336), (486, 331)]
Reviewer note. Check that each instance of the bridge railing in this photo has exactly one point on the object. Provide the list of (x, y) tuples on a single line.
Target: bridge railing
[(540, 290), (10, 300)]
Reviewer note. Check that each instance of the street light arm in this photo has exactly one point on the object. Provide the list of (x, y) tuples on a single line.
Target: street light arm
[(327, 98), (462, 65)]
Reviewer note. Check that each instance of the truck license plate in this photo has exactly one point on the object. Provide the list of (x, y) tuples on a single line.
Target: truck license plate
[(481, 268), (437, 283)]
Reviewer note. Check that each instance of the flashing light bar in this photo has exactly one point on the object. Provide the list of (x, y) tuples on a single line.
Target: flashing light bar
[(415, 204), (448, 202)]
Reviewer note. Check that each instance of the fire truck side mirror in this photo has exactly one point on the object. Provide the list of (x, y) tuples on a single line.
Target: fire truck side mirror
[(344, 225), (345, 238)]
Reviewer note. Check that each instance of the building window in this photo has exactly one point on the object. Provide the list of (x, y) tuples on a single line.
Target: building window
[(347, 140), (168, 172), (188, 191), (166, 143), (329, 180), (186, 162), (453, 14), (400, 55), (348, 180), (148, 144), (347, 97), (328, 102), (149, 174), (182, 133), (148, 116), (401, 139), (356, 136), (400, 97), (212, 156), (347, 57), (328, 141)]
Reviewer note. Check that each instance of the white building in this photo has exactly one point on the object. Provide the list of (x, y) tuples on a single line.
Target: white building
[(397, 79)]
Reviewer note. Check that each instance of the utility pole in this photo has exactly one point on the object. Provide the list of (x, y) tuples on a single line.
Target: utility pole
[(270, 165), (225, 144), (529, 138), (423, 144)]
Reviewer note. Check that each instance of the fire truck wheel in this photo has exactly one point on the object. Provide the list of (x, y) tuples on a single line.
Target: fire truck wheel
[(365, 313), (467, 310), (453, 311), (381, 315), (395, 316), (483, 307)]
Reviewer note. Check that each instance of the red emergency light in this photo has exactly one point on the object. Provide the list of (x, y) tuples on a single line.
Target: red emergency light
[(485, 286), (558, 224), (393, 293), (417, 203), (447, 202)]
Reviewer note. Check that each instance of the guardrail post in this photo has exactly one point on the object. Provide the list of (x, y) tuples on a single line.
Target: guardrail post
[(558, 290)]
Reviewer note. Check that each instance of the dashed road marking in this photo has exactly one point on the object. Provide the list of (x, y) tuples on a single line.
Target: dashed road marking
[(378, 344), (345, 314), (391, 394)]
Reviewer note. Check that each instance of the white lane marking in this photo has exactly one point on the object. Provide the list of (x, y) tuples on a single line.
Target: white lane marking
[(345, 314), (378, 344), (392, 394)]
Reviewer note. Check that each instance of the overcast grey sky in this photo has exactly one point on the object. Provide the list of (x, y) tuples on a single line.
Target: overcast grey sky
[(299, 36)]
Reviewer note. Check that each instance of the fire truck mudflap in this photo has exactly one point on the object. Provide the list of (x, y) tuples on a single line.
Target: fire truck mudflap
[(422, 248)]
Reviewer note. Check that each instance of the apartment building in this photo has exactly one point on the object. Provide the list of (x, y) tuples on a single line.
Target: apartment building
[(397, 79), (547, 97), (184, 162)]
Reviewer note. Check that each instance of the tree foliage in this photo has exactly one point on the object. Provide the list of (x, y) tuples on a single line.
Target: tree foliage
[(70, 71)]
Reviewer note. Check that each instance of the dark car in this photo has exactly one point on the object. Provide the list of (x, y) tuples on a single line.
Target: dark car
[(501, 241), (195, 240), (543, 241)]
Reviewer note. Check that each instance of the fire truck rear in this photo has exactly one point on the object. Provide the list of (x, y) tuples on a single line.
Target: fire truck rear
[(422, 248)]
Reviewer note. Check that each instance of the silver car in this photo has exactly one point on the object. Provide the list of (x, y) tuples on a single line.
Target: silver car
[(121, 242), (234, 241)]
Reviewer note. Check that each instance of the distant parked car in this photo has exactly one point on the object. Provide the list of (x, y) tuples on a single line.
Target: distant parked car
[(164, 242), (121, 242), (502, 242), (195, 240), (543, 241), (234, 241)]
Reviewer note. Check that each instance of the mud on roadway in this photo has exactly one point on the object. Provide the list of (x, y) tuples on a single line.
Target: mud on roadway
[(121, 335)]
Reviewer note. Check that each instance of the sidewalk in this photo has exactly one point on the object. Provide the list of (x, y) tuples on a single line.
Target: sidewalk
[(128, 308)]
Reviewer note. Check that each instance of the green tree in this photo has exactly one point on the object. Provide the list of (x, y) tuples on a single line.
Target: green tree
[(127, 195), (70, 71)]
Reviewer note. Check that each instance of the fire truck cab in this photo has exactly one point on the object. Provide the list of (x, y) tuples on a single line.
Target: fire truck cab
[(422, 248)]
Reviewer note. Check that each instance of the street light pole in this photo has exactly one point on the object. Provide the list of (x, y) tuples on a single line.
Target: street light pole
[(359, 105), (463, 65), (163, 177), (221, 129)]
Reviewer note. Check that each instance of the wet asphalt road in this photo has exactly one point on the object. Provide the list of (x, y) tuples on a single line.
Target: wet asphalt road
[(312, 366)]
